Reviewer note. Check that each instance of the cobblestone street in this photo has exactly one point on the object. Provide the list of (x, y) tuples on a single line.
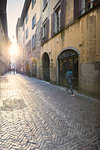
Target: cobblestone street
[(36, 115)]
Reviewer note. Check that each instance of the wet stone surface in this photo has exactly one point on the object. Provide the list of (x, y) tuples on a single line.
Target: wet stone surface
[(35, 115)]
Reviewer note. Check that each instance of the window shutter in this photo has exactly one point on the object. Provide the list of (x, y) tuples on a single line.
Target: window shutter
[(77, 5), (63, 14), (35, 19), (41, 35), (53, 24), (47, 29), (35, 40), (96, 2)]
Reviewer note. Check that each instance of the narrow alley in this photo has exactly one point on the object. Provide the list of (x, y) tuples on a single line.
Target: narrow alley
[(36, 115)]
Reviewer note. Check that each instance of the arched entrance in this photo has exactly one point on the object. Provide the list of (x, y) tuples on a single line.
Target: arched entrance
[(65, 59), (34, 68), (46, 67), (27, 67)]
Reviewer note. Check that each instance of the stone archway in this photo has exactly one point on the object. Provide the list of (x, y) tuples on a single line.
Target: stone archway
[(34, 68), (46, 67), (68, 58)]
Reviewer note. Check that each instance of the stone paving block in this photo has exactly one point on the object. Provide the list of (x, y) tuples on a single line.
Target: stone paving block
[(35, 115)]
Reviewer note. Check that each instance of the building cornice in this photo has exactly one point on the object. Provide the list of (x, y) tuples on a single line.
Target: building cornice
[(25, 9)]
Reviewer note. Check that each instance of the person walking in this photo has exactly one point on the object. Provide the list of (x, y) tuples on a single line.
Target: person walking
[(69, 78)]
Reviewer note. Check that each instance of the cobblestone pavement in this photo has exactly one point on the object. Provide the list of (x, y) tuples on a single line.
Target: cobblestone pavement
[(35, 115)]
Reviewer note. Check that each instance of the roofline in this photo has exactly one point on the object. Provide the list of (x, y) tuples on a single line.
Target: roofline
[(25, 9)]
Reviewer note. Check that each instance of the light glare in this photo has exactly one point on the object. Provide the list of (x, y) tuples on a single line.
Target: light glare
[(14, 50)]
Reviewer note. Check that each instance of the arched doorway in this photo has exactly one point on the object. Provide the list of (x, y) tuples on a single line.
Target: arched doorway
[(34, 68), (27, 66), (65, 59), (46, 67)]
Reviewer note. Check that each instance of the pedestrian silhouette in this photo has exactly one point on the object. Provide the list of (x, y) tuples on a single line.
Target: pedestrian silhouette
[(69, 78)]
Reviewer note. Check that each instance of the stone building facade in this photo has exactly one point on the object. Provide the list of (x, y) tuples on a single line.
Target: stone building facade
[(4, 42), (70, 34), (31, 36), (21, 57), (72, 40), (2, 39)]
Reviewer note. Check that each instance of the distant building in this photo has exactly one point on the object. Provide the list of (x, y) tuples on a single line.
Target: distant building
[(31, 37), (19, 37), (4, 41), (70, 35)]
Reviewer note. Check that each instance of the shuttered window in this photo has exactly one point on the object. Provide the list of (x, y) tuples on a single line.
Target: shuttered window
[(33, 41), (33, 3), (23, 26), (28, 47), (44, 4), (63, 14), (45, 31), (33, 21), (53, 25), (83, 6), (57, 20), (77, 5), (26, 33), (58, 17), (26, 17)]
